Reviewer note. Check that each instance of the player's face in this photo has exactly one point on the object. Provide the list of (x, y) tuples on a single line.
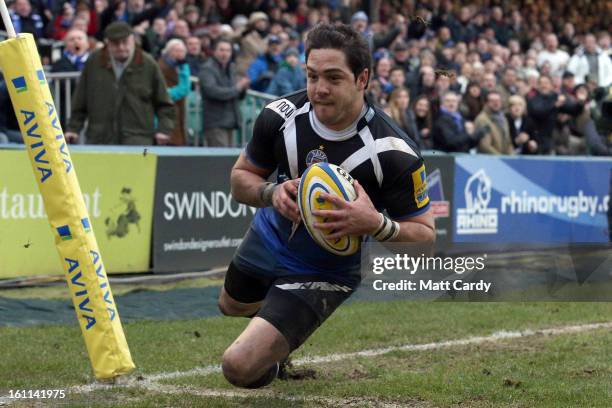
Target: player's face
[(334, 92)]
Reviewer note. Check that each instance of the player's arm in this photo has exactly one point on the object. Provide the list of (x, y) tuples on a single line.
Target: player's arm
[(250, 186)]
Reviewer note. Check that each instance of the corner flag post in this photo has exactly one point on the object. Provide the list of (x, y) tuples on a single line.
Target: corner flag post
[(57, 181)]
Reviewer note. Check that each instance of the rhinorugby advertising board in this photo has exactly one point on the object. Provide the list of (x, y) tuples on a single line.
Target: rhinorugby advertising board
[(536, 200), (197, 223)]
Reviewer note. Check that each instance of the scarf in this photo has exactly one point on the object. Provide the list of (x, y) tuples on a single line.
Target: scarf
[(456, 117), (77, 60)]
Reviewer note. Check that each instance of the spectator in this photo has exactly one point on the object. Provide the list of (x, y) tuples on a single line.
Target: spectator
[(521, 126), (589, 60), (381, 74), (398, 108), (508, 85), (181, 30), (25, 20), (121, 92), (176, 72), (566, 141), (253, 42), (63, 22), (262, 70), (290, 76), (488, 83), (567, 38), (494, 125), (422, 116), (397, 77), (154, 38), (568, 83), (599, 141), (450, 132), (195, 57), (426, 84), (401, 57), (75, 53), (73, 59), (557, 58), (359, 21), (473, 101), (500, 27), (220, 96), (543, 108)]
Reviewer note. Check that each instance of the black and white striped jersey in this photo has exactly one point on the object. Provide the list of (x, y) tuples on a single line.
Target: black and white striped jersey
[(288, 137)]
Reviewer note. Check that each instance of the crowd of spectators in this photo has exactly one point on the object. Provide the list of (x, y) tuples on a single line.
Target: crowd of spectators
[(496, 77)]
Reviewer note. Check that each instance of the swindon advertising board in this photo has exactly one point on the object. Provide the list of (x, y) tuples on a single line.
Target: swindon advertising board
[(539, 200), (198, 225)]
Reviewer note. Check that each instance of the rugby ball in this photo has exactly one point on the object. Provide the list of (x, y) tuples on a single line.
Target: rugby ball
[(326, 178)]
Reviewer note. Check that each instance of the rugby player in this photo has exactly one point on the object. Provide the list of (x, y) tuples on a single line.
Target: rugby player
[(281, 278)]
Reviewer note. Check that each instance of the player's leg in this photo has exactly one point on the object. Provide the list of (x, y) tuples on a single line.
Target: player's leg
[(242, 294), (252, 360), (293, 309)]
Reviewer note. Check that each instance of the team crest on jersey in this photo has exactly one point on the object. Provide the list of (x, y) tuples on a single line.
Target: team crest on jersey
[(420, 186), (315, 156)]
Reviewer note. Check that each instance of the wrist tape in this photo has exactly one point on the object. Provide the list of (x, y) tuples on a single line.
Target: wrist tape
[(265, 194), (387, 230)]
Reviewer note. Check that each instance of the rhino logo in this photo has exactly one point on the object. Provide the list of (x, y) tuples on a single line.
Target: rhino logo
[(478, 192), (477, 217)]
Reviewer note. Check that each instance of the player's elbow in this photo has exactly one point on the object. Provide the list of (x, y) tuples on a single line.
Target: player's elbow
[(236, 188), (429, 234)]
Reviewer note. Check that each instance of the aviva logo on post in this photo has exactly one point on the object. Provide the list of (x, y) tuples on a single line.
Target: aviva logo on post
[(20, 84), (41, 76), (64, 232)]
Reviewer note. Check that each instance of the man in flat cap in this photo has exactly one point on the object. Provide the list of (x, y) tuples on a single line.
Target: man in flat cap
[(121, 92)]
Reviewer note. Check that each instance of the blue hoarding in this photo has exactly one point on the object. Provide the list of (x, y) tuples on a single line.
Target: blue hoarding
[(531, 200)]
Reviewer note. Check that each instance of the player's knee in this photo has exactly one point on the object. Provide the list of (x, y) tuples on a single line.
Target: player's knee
[(223, 308), (236, 368)]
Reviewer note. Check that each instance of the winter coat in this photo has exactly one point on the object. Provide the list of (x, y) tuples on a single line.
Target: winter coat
[(542, 110), (122, 111), (579, 66), (286, 80), (220, 96), (497, 139), (179, 86)]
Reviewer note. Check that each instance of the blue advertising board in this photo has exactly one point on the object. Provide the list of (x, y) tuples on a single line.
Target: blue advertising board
[(535, 200)]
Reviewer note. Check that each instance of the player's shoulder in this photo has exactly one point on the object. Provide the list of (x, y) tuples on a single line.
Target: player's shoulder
[(284, 107), (391, 141)]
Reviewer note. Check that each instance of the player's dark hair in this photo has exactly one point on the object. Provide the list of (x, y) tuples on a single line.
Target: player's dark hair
[(344, 38)]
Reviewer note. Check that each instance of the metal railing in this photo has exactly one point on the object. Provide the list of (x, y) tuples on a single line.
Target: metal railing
[(63, 100), (62, 85)]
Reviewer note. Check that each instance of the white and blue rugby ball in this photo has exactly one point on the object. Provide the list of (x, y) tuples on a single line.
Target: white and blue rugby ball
[(326, 178)]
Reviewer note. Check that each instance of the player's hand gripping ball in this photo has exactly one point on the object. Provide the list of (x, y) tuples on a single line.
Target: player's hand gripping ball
[(326, 178)]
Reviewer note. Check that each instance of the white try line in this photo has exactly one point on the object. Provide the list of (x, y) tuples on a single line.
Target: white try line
[(150, 381), (497, 336)]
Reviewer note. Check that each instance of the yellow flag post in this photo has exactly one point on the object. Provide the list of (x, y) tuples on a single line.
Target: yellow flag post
[(56, 177)]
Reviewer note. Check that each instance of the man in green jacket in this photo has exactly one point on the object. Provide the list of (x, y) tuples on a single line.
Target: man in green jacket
[(122, 95)]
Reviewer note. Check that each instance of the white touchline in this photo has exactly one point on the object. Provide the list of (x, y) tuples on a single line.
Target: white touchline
[(150, 380)]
